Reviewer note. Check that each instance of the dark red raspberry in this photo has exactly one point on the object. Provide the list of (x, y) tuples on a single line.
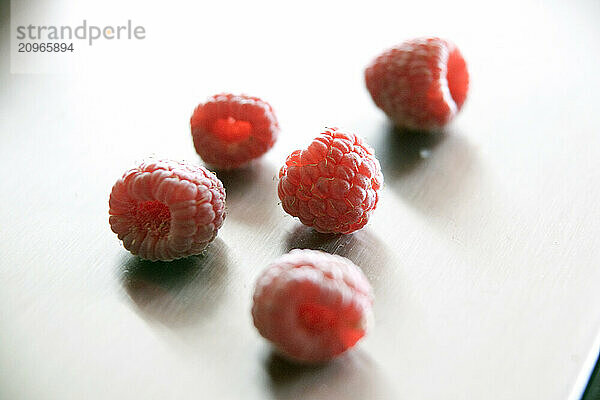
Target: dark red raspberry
[(164, 210), (332, 185), (312, 305), (230, 131), (420, 84)]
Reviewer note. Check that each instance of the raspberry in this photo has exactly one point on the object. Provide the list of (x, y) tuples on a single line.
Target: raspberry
[(312, 305), (420, 84), (164, 210), (332, 185), (230, 131)]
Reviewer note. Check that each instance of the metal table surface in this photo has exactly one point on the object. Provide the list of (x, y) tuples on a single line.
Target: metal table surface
[(483, 252)]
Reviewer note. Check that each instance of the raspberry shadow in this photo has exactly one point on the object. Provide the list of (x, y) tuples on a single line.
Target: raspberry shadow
[(251, 193), (430, 170), (401, 151), (362, 248), (352, 375), (177, 293)]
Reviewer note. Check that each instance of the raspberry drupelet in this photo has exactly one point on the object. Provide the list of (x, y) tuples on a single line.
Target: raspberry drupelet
[(332, 185), (164, 210), (311, 305), (229, 131), (420, 84)]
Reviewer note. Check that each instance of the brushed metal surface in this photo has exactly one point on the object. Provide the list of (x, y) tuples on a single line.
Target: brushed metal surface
[(483, 252)]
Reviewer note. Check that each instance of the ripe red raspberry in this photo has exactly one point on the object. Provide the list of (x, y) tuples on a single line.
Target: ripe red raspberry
[(164, 210), (312, 305), (420, 84), (332, 185), (230, 131)]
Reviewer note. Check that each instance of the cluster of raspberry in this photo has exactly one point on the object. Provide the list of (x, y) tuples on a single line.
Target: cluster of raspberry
[(311, 305)]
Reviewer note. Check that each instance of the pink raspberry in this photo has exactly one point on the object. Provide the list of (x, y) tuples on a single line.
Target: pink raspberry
[(164, 210), (230, 131), (312, 305), (420, 84), (332, 185)]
